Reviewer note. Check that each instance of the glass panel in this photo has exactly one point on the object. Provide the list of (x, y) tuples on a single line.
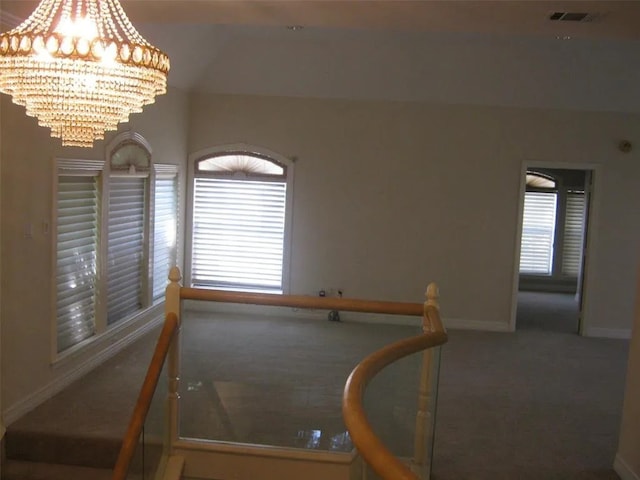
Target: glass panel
[(392, 403), (246, 164), (130, 155), (150, 457), (538, 180), (275, 377)]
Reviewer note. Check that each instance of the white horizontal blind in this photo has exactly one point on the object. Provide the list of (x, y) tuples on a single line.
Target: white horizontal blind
[(76, 264), (573, 234), (164, 235), (125, 247), (238, 234), (538, 232)]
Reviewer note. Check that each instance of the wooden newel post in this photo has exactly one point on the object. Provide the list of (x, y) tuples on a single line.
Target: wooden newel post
[(433, 296), (424, 422), (172, 305)]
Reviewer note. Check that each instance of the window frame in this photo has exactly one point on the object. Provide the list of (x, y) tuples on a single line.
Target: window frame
[(562, 191), (101, 169), (243, 149)]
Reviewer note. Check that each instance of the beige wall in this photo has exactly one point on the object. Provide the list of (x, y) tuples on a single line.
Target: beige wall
[(389, 196), (26, 287), (627, 461), (628, 457)]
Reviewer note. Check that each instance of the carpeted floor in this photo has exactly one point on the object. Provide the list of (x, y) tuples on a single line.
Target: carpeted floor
[(530, 404), (548, 312)]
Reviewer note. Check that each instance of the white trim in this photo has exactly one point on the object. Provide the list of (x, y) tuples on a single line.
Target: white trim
[(591, 243), (211, 460), (518, 236), (478, 325), (289, 162), (597, 332), (174, 468), (55, 386), (128, 135), (623, 469), (249, 449)]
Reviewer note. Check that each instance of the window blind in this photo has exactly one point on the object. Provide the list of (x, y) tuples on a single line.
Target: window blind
[(125, 247), (238, 233), (538, 231), (573, 234), (76, 259), (164, 235)]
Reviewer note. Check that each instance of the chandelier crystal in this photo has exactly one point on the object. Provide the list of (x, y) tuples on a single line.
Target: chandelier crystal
[(80, 68)]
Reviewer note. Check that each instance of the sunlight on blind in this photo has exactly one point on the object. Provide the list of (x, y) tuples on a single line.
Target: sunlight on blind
[(77, 234), (164, 236), (573, 234), (238, 234), (126, 247), (538, 232)]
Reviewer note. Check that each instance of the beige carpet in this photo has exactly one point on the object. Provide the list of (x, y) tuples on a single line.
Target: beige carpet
[(532, 404)]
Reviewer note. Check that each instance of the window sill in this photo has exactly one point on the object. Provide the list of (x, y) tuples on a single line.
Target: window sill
[(104, 341)]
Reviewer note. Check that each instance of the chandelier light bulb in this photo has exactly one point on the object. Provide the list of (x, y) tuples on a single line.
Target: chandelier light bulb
[(80, 68)]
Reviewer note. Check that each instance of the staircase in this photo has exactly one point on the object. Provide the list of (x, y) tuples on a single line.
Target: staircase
[(19, 470)]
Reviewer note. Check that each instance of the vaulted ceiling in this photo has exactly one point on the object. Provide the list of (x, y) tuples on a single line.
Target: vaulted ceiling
[(608, 19), (456, 51)]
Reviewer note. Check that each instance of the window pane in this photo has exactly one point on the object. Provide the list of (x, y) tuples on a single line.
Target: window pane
[(539, 180), (538, 232), (573, 233), (240, 163), (164, 235), (77, 236), (125, 247), (238, 234)]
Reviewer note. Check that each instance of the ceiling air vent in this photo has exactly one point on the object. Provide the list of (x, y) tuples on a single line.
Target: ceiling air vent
[(573, 16)]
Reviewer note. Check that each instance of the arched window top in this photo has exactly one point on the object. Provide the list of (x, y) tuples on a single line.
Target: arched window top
[(130, 153), (241, 162), (540, 180)]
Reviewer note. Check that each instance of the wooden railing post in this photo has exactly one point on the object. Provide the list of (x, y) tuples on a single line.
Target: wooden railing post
[(172, 305), (424, 422)]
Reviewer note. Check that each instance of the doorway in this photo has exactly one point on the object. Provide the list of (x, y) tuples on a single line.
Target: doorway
[(553, 249)]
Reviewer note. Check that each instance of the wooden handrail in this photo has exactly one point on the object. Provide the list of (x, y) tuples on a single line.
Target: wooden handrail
[(303, 301), (387, 465), (147, 391)]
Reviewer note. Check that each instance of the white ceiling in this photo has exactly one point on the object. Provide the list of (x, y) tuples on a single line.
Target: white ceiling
[(453, 51), (614, 19)]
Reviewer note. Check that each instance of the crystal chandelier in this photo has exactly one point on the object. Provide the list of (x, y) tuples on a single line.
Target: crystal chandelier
[(80, 68)]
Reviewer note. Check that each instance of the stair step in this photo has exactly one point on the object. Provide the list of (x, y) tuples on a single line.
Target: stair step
[(61, 449), (18, 470)]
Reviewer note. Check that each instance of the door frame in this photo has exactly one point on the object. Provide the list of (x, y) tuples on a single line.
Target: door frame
[(592, 221)]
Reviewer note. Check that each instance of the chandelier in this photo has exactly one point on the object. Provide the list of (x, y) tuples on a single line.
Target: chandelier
[(80, 68)]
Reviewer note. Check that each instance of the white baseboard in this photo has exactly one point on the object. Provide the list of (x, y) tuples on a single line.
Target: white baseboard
[(623, 470), (619, 333), (25, 405), (465, 324)]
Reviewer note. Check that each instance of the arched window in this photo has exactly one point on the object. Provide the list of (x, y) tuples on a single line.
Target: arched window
[(123, 211), (538, 224), (240, 221), (540, 180), (553, 223)]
